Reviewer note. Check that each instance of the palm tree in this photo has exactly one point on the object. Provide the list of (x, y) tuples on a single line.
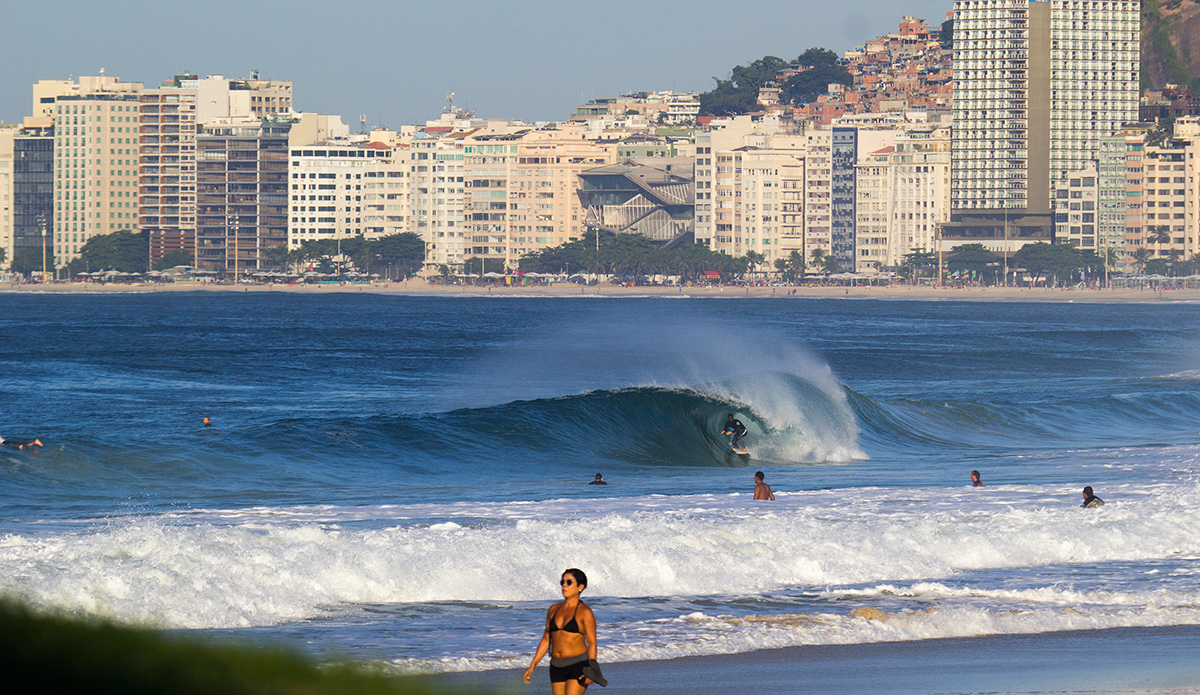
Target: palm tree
[(1140, 257), (818, 258)]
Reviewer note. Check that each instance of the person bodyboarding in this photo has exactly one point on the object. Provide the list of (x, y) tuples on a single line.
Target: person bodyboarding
[(737, 431)]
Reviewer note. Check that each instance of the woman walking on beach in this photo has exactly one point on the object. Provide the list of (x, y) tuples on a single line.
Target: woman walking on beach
[(570, 637)]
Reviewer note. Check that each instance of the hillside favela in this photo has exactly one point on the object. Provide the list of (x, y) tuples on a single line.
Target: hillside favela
[(1003, 144)]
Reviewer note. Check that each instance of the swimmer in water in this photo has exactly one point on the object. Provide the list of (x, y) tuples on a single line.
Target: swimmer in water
[(975, 481), (17, 445)]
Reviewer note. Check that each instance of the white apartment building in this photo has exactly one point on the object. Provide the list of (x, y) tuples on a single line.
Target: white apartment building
[(436, 201), (873, 210), (386, 192), (1076, 207), (818, 193), (920, 191), (326, 188), (1036, 85)]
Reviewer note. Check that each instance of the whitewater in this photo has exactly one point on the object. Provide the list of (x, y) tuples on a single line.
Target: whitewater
[(404, 481)]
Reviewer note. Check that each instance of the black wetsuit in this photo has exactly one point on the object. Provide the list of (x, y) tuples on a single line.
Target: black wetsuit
[(1092, 501), (736, 427)]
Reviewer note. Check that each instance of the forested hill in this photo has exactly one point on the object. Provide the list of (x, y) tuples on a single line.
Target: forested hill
[(1171, 43)]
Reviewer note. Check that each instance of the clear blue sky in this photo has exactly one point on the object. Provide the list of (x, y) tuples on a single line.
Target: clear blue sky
[(395, 60)]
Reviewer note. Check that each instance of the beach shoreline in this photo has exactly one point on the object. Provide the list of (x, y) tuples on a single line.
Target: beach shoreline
[(417, 287), (1138, 660)]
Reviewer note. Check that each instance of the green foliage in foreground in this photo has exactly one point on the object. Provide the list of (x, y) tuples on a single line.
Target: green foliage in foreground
[(51, 653)]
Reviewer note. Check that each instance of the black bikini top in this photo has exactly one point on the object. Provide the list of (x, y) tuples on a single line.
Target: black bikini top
[(569, 626)]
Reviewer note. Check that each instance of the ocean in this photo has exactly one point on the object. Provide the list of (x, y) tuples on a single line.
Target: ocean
[(401, 480)]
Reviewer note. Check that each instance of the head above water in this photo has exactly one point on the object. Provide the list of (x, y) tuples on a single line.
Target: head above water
[(599, 477), (1087, 491), (207, 422), (974, 475), (759, 476), (577, 575)]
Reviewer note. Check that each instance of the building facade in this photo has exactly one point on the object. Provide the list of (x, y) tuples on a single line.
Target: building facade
[(1037, 84), (96, 150), (167, 171), (241, 194)]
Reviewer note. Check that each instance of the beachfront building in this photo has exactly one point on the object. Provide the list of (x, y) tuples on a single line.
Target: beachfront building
[(436, 202), (1165, 194), (1037, 84), (818, 195), (96, 149), (386, 186), (326, 189), (654, 197), (1076, 206), (7, 133), (522, 187), (167, 170), (873, 208), (921, 190), (241, 193)]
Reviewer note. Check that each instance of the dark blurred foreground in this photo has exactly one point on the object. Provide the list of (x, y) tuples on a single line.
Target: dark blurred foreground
[(54, 653)]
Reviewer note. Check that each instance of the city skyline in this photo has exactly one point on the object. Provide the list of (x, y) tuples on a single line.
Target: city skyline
[(524, 60)]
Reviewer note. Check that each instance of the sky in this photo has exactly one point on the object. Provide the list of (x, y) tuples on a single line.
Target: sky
[(395, 61)]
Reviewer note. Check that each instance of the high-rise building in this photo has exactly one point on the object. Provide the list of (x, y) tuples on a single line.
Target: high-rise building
[(167, 170), (241, 193), (96, 143), (33, 196), (327, 181), (1037, 84)]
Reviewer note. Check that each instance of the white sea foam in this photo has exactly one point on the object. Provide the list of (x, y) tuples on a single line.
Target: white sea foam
[(268, 566)]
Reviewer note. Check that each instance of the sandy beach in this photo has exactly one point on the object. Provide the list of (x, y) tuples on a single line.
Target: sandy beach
[(1144, 661), (420, 287)]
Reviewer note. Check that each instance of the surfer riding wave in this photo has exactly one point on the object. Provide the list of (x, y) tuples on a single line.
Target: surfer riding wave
[(735, 428)]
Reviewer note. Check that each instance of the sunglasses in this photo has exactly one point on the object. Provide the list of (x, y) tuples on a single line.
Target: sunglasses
[(567, 582)]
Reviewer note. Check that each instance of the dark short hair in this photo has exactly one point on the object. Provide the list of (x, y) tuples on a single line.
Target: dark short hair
[(598, 476), (759, 475), (580, 577), (1087, 490), (731, 415)]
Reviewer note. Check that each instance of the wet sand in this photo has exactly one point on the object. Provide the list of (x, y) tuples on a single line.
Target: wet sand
[(1145, 661), (419, 287)]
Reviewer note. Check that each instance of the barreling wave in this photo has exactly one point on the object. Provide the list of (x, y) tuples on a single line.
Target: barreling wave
[(790, 420)]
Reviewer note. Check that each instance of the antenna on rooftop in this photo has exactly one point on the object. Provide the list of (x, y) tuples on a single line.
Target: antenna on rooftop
[(362, 123)]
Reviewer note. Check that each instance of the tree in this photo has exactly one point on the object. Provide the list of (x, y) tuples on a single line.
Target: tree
[(831, 265), (1048, 260), (917, 261), (819, 69), (946, 36), (739, 93), (176, 257), (792, 267), (124, 251), (817, 258), (3, 256), (1140, 257), (971, 258), (29, 260)]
